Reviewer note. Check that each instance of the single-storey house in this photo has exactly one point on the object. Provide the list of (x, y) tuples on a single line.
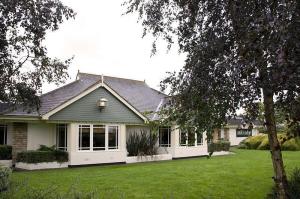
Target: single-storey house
[(236, 130), (91, 119)]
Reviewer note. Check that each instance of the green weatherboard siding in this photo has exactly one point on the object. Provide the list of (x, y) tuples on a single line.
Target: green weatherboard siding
[(85, 109)]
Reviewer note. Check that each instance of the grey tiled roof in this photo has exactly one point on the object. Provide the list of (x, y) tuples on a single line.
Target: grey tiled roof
[(136, 93)]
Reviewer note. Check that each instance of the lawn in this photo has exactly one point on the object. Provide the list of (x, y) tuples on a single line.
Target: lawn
[(246, 174)]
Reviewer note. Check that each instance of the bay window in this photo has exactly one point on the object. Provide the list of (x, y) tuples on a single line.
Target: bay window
[(61, 136), (98, 137), (164, 136), (3, 134)]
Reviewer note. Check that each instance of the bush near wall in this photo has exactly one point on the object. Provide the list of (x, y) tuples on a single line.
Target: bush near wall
[(5, 152), (42, 156), (5, 174), (219, 145)]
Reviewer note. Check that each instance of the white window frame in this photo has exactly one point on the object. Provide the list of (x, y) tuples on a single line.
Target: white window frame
[(169, 136), (66, 137), (5, 133), (199, 143), (187, 140), (92, 144), (117, 136), (91, 148)]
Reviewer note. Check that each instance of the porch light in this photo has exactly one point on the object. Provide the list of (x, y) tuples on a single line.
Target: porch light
[(102, 103)]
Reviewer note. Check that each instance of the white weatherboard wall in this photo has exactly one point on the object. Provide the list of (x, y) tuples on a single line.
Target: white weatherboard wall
[(236, 140), (77, 157), (40, 134)]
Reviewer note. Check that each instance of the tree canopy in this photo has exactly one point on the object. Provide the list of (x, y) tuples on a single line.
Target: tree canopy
[(24, 63), (239, 53)]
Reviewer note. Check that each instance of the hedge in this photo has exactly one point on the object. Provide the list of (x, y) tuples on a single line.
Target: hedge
[(5, 174), (5, 152), (219, 145), (42, 156)]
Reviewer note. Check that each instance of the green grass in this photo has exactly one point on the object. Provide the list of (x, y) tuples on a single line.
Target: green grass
[(246, 174)]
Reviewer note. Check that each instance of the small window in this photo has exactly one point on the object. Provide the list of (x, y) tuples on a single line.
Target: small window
[(61, 136), (243, 132), (113, 137), (199, 138), (3, 134), (164, 136), (84, 137), (98, 137)]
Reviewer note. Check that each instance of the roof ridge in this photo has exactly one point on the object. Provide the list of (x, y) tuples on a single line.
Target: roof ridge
[(111, 77)]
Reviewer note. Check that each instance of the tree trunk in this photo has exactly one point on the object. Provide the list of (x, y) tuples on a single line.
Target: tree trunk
[(280, 176)]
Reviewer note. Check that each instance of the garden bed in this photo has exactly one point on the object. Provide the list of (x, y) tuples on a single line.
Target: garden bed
[(148, 158), (42, 165), (6, 163)]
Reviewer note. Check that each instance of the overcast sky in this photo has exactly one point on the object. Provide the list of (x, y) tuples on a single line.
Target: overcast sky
[(105, 42)]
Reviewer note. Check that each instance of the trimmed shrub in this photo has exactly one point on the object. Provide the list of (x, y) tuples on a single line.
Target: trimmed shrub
[(219, 145), (292, 144), (5, 152), (46, 148), (5, 174), (42, 156)]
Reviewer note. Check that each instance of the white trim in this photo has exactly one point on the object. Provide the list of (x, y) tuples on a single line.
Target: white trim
[(98, 85)]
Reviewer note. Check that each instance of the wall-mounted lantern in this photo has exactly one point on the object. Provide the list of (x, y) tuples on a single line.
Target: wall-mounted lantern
[(102, 103)]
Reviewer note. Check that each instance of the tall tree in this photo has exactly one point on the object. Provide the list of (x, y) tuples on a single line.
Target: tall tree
[(24, 63), (238, 53)]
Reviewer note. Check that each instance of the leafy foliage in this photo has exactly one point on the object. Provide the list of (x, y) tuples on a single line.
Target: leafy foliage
[(238, 54), (42, 156), (294, 186), (261, 142), (5, 174), (5, 152), (142, 143), (24, 63)]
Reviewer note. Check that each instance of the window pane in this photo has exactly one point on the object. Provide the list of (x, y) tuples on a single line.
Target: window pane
[(199, 139), (183, 138), (112, 137), (191, 138), (99, 137), (3, 134), (165, 137), (84, 137), (61, 136)]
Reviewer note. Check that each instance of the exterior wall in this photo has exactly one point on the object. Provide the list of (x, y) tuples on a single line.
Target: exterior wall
[(236, 140), (40, 134), (77, 157), (187, 151), (85, 109)]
